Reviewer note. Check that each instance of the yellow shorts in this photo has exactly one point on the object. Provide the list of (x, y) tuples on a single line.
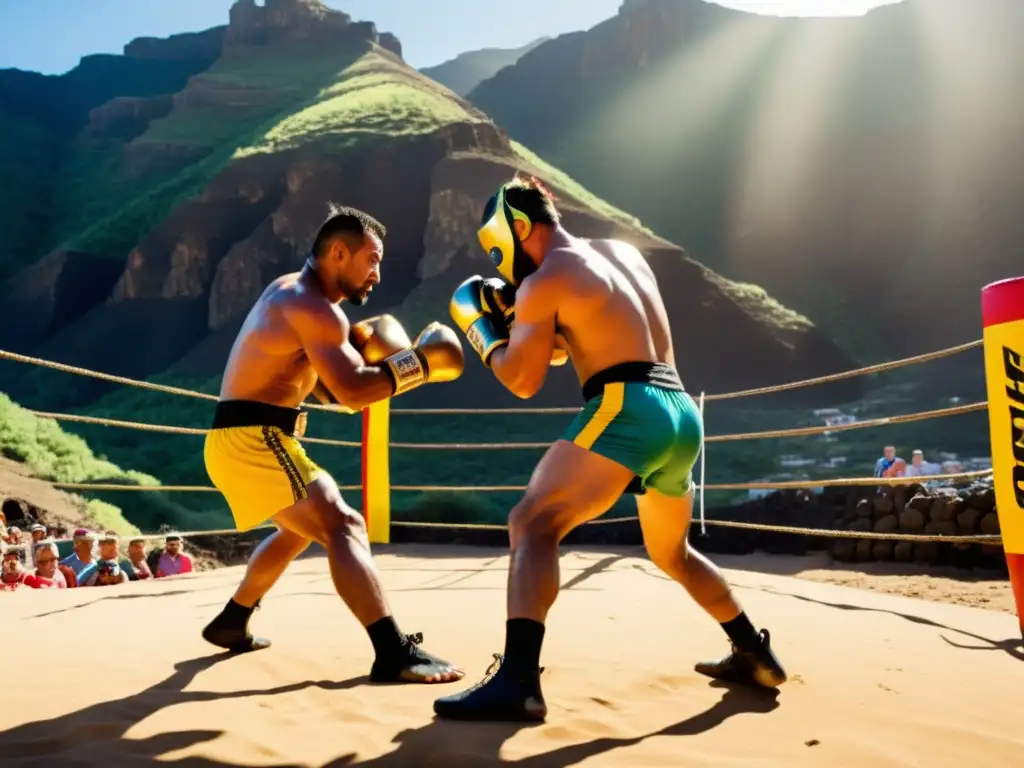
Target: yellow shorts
[(260, 471)]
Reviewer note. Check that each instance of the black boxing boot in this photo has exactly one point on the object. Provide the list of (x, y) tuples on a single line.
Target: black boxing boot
[(230, 629), (399, 658), (755, 665), (510, 690), (506, 694)]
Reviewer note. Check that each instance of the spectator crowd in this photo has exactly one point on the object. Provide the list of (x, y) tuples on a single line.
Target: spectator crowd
[(96, 559), (890, 465)]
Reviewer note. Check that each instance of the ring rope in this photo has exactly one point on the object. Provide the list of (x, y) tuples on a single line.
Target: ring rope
[(720, 438), (827, 532), (866, 370), (838, 482), (796, 432), (173, 430), (167, 389), (823, 532)]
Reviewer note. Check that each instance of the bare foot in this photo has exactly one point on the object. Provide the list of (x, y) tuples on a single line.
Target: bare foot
[(414, 665)]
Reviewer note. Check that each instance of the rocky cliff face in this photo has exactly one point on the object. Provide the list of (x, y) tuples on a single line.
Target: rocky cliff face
[(298, 21), (847, 165)]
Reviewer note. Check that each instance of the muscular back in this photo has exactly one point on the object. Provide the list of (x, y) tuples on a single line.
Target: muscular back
[(267, 362), (610, 310)]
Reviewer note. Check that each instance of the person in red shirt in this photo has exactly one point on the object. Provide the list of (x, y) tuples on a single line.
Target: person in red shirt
[(47, 576), (13, 571)]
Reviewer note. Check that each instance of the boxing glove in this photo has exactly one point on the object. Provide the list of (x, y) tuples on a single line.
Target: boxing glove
[(483, 324), (377, 338), (435, 356), (499, 297)]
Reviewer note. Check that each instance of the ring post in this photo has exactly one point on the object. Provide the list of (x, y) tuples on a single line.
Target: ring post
[(1002, 311), (376, 479)]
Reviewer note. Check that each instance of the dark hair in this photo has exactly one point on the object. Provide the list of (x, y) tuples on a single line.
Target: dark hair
[(529, 195), (348, 223)]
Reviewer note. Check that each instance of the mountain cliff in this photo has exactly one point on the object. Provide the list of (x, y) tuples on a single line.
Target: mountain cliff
[(863, 170), (177, 207), (467, 70)]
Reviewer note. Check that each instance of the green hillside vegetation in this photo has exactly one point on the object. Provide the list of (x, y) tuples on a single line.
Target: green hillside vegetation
[(295, 96), (54, 455)]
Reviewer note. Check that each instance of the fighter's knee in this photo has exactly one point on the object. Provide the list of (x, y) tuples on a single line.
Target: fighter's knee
[(670, 557), (340, 520), (533, 519)]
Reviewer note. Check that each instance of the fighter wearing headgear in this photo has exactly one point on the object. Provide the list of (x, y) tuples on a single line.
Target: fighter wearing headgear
[(297, 341), (638, 432)]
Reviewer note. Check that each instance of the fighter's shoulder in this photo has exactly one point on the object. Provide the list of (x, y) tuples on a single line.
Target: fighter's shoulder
[(304, 309)]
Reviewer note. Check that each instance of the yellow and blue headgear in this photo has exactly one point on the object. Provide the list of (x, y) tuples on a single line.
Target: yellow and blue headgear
[(498, 237)]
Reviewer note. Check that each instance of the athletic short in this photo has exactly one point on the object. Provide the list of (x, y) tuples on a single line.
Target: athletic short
[(253, 457), (638, 415)]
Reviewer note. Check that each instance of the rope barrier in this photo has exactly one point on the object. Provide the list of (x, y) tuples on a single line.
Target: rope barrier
[(796, 432), (826, 532), (866, 370), (143, 426), (838, 482), (152, 386)]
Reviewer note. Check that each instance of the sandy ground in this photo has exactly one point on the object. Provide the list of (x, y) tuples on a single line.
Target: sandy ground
[(121, 677), (958, 586)]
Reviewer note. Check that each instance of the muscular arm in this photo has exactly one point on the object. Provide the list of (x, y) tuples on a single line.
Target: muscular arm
[(522, 366), (343, 374)]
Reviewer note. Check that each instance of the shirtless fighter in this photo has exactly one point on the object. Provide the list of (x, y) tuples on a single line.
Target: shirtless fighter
[(296, 341), (639, 432)]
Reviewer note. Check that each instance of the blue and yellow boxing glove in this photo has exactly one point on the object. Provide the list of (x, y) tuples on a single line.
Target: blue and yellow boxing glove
[(480, 307)]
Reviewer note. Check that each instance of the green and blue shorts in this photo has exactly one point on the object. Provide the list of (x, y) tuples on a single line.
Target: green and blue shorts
[(638, 415)]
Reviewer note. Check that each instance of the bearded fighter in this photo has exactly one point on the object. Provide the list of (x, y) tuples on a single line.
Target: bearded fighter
[(297, 341), (639, 432)]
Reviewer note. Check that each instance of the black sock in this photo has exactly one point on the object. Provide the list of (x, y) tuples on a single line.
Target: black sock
[(236, 613), (385, 636), (523, 639), (742, 633)]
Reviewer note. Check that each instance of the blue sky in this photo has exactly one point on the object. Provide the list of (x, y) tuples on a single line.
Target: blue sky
[(50, 36)]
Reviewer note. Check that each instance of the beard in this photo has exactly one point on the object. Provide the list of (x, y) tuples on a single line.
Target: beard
[(357, 295)]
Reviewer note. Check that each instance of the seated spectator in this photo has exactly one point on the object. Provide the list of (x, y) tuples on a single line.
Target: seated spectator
[(919, 467), (14, 572), (37, 532), (137, 558), (110, 549), (173, 561), (13, 535), (82, 558), (889, 465), (104, 574), (47, 576), (52, 532)]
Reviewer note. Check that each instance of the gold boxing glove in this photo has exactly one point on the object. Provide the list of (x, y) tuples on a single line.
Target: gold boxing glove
[(435, 356), (377, 338), (483, 324)]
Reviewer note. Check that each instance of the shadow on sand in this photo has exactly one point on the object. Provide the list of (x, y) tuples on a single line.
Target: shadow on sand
[(96, 735)]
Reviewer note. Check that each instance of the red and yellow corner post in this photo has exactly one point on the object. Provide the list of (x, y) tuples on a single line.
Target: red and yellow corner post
[(376, 473), (1002, 311)]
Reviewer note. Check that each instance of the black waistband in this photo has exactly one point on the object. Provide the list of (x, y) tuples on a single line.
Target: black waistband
[(249, 413), (659, 374)]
